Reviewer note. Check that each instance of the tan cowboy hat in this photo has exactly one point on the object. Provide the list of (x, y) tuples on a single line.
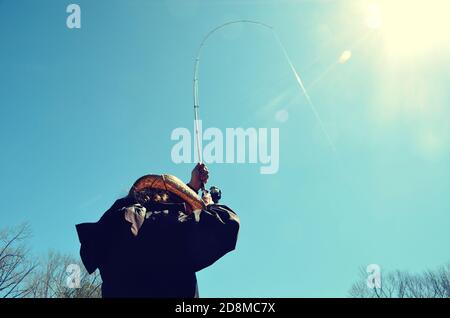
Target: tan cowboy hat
[(171, 184)]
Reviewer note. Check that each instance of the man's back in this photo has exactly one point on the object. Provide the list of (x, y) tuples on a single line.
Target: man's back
[(143, 253)]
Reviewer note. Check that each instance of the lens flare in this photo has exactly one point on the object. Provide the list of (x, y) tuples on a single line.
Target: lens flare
[(345, 56)]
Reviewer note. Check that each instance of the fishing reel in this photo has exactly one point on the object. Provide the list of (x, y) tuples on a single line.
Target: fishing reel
[(215, 192)]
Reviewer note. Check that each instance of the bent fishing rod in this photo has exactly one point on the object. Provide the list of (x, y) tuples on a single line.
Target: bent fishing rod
[(289, 61)]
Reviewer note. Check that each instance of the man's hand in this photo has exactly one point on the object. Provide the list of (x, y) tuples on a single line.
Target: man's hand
[(199, 177)]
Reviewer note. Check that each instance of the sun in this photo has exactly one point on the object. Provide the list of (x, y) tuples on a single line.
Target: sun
[(411, 28)]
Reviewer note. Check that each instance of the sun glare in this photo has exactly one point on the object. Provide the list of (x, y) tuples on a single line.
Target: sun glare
[(411, 27)]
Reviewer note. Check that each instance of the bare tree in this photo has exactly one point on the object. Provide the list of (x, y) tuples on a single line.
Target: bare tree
[(52, 280), (401, 284), (22, 275), (15, 263)]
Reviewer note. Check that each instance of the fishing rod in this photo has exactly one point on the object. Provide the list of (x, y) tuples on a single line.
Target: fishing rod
[(288, 59), (196, 76)]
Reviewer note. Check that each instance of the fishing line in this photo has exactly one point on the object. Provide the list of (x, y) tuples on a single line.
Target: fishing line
[(291, 65)]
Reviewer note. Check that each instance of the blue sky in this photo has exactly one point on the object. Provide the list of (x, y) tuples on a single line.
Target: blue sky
[(86, 112)]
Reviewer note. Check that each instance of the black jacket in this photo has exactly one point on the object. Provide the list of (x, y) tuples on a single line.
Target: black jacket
[(142, 253)]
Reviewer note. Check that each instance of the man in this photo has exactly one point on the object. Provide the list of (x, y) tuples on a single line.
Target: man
[(152, 242)]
